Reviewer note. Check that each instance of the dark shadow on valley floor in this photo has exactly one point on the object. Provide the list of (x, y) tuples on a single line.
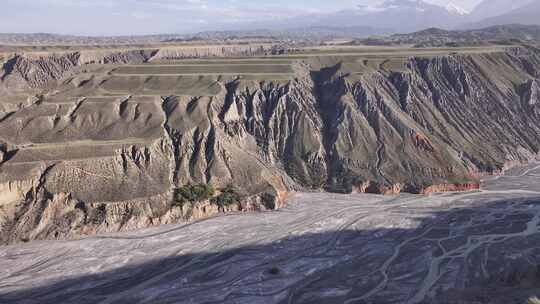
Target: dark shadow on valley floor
[(469, 255)]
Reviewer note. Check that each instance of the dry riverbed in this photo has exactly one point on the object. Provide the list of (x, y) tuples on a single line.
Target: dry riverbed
[(476, 247)]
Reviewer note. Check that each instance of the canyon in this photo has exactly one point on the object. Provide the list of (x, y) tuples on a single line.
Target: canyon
[(99, 140), (270, 152)]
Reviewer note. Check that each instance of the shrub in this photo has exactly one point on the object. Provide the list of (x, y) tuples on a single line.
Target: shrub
[(99, 214), (193, 193), (274, 270), (228, 196)]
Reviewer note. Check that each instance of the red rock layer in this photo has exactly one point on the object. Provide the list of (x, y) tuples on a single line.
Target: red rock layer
[(375, 188), (451, 188)]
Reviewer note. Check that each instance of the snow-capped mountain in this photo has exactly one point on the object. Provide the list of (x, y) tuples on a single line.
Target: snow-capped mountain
[(388, 16), (454, 9), (397, 15), (418, 5), (493, 8), (403, 16), (526, 14)]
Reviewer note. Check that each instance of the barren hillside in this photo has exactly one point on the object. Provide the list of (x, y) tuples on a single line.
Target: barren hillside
[(106, 140)]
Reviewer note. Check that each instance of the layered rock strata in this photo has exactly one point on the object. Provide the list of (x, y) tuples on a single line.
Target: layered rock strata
[(79, 163)]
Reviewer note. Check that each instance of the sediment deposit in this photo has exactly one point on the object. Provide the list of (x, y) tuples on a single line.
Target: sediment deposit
[(474, 247)]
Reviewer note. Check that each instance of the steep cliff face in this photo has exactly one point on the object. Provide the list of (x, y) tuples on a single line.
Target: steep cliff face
[(449, 118), (75, 164), (281, 123)]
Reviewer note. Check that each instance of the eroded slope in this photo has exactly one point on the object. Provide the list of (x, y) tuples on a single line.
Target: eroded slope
[(104, 147)]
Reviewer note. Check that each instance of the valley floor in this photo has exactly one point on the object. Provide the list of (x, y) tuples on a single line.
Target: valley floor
[(476, 247)]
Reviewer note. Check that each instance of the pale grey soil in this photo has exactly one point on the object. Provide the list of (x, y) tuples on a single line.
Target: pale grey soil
[(476, 247)]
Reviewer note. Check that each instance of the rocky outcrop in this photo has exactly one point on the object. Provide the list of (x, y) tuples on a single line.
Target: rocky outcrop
[(531, 96), (377, 188), (45, 215), (102, 164), (450, 188)]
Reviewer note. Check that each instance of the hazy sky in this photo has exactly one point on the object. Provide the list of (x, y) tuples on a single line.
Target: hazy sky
[(114, 17)]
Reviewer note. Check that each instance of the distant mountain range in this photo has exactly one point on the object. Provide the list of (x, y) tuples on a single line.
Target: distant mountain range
[(387, 16), (435, 37), (55, 39), (493, 8), (382, 18), (312, 33), (523, 12), (405, 16), (297, 33)]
